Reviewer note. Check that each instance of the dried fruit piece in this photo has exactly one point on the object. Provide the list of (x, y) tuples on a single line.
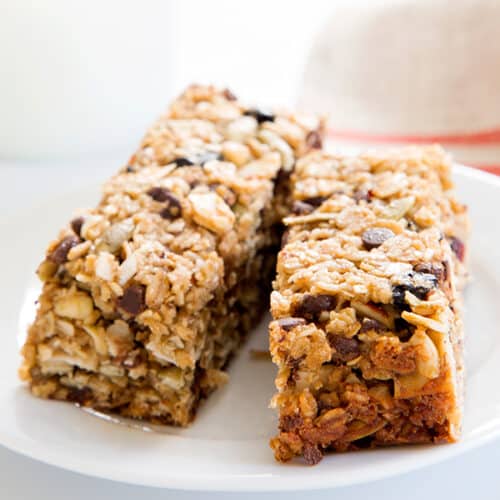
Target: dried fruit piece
[(458, 247), (315, 201), (159, 193), (374, 237), (362, 195), (288, 323), (312, 454), (313, 140), (60, 254), (132, 300)]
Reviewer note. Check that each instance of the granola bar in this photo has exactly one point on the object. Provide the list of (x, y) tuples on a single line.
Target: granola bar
[(146, 297), (367, 333)]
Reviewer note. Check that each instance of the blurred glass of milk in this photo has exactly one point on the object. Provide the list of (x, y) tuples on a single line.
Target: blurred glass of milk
[(82, 77)]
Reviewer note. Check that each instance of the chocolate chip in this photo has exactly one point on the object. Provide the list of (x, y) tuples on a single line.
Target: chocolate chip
[(159, 193), (371, 324), (313, 140), (76, 225), (458, 247), (130, 169), (362, 195), (229, 95), (437, 270), (183, 162), (173, 207), (60, 253), (260, 115), (419, 284), (301, 208), (312, 305), (374, 237), (79, 395), (312, 453), (346, 348), (132, 300), (288, 323), (315, 201)]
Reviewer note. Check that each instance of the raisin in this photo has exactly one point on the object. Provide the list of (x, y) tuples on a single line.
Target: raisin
[(288, 323), (260, 115), (374, 237), (458, 247), (312, 453), (313, 140), (60, 253), (76, 225), (312, 305), (132, 300)]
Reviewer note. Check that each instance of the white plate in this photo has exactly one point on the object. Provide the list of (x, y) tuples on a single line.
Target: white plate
[(227, 447)]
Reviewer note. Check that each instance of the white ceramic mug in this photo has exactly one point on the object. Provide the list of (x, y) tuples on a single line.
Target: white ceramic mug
[(81, 77)]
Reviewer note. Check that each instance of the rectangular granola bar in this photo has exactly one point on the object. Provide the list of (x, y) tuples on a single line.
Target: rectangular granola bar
[(367, 333), (147, 296)]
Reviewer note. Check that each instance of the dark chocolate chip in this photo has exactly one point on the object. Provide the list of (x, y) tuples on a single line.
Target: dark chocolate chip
[(315, 201), (313, 140), (458, 247), (76, 225), (374, 237), (132, 300), (346, 348), (229, 95), (79, 395), (371, 324), (288, 323), (362, 195), (173, 207), (60, 253), (301, 208), (183, 162), (159, 193), (260, 115), (312, 305), (312, 453), (130, 169), (419, 284)]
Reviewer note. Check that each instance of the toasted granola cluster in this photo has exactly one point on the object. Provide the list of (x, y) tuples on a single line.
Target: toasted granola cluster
[(366, 332), (147, 296)]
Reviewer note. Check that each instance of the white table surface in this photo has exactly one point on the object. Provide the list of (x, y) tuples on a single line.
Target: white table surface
[(474, 474)]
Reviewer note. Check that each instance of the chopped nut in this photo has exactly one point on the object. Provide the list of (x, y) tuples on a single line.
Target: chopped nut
[(211, 211), (117, 234), (76, 305)]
